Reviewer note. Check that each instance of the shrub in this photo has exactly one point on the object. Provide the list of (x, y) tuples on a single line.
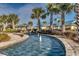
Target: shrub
[(70, 35), (56, 32), (67, 34), (20, 34), (10, 30), (4, 37)]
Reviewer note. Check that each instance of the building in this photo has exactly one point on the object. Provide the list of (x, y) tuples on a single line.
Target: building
[(70, 25)]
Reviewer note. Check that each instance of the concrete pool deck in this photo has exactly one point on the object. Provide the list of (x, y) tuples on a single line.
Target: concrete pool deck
[(72, 48)]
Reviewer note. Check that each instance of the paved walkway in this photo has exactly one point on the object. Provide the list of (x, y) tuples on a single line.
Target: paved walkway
[(72, 48)]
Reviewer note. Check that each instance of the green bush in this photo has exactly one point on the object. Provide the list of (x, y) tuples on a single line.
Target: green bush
[(4, 37), (10, 30)]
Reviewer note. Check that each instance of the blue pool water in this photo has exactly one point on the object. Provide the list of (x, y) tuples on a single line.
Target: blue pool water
[(49, 46)]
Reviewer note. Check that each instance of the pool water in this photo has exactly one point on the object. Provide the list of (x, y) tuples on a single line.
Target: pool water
[(49, 46)]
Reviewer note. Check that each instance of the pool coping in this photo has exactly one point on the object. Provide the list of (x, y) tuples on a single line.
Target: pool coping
[(69, 49)]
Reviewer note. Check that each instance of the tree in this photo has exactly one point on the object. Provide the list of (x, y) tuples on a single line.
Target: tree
[(13, 19), (37, 13), (30, 23), (1, 23), (65, 9), (57, 20), (51, 10), (44, 23), (3, 20)]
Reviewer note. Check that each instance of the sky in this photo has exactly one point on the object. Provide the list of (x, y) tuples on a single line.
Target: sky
[(24, 11)]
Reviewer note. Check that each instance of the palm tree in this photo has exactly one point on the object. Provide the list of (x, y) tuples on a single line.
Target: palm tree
[(30, 24), (57, 22), (3, 20), (37, 13), (51, 10), (65, 9), (13, 19), (1, 23), (44, 23)]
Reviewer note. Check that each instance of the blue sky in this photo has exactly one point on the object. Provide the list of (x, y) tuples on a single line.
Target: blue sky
[(24, 11)]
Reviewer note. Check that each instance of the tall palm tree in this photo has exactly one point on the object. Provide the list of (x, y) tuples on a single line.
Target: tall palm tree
[(65, 9), (13, 19), (37, 13), (51, 10)]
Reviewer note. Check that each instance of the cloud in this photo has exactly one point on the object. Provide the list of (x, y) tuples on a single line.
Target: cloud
[(5, 9), (25, 11)]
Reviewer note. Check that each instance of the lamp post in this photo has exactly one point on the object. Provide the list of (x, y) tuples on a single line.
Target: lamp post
[(77, 18)]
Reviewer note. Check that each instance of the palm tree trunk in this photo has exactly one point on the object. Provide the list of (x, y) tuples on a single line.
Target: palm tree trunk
[(4, 27), (13, 25), (39, 25), (63, 21), (51, 20)]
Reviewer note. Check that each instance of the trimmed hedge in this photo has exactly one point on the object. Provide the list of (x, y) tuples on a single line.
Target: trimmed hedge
[(10, 30)]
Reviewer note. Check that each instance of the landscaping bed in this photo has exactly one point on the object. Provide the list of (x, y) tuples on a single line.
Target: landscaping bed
[(14, 39), (4, 37)]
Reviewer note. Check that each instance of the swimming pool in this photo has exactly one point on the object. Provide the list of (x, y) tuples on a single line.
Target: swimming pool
[(48, 46)]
